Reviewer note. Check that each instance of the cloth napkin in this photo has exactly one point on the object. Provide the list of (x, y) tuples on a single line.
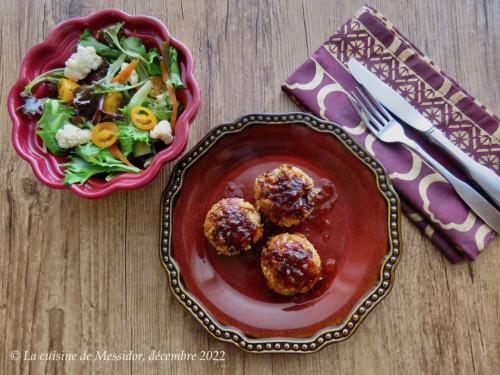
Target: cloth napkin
[(322, 84)]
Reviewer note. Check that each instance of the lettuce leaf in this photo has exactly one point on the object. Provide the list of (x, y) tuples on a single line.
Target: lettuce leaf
[(129, 135), (173, 68), (55, 115), (153, 64), (97, 155), (162, 107), (78, 171), (91, 160), (87, 40)]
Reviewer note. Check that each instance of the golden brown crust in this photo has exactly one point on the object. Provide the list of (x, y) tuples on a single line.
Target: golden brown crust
[(286, 195), (290, 264), (232, 225)]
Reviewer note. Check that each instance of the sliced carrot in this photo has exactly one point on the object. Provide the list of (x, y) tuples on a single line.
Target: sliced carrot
[(171, 93), (125, 73), (173, 98), (117, 153), (164, 72)]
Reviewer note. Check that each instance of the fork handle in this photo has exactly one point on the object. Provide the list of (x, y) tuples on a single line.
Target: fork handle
[(483, 176), (484, 209)]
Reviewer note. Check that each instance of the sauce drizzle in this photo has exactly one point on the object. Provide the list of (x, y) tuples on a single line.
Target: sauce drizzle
[(233, 226)]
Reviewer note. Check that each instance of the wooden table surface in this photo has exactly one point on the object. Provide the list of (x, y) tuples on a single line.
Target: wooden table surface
[(79, 275)]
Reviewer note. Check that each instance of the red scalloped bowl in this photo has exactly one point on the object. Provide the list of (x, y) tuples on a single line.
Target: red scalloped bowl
[(52, 53)]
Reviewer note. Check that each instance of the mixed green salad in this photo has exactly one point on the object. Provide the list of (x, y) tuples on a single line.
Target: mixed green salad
[(114, 105)]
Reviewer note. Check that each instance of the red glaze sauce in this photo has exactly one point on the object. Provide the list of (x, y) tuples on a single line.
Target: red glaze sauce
[(325, 199), (233, 226), (325, 202), (293, 265), (234, 190), (290, 195), (324, 282)]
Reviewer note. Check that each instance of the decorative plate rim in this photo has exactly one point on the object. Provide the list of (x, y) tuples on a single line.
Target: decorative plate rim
[(327, 335)]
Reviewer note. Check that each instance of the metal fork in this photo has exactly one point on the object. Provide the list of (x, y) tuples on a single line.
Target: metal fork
[(387, 129)]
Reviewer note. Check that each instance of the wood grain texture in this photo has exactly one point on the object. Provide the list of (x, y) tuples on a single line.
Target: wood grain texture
[(78, 275)]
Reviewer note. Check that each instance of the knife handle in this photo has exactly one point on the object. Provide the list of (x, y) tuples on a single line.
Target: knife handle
[(483, 176)]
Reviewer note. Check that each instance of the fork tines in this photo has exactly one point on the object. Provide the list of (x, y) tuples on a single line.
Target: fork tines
[(371, 112)]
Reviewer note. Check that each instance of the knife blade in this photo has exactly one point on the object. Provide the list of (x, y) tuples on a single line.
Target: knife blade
[(389, 98)]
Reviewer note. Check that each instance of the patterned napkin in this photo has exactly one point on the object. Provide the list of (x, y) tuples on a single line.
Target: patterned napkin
[(321, 85)]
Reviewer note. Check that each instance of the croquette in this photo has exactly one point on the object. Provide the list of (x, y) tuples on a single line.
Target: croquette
[(286, 195), (290, 264), (232, 225)]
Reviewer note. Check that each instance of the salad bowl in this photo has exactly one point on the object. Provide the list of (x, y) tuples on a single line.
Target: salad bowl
[(52, 53), (357, 234)]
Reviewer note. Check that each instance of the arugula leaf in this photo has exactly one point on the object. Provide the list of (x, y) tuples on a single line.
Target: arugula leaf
[(52, 76), (101, 88), (150, 59), (131, 46), (87, 40), (173, 68), (79, 171), (150, 63), (129, 135), (134, 46), (142, 72), (113, 69), (55, 115)]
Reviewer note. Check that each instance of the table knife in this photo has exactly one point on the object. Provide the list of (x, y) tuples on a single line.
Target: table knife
[(483, 176)]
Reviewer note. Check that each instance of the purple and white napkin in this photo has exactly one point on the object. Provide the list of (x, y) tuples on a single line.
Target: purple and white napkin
[(322, 83)]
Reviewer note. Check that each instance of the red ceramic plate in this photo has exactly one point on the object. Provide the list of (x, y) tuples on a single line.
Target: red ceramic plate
[(52, 53), (354, 229)]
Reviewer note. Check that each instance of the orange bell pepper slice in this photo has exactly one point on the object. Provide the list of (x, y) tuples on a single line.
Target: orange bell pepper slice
[(117, 153), (171, 92), (158, 86), (125, 73), (104, 134), (112, 101), (143, 118), (65, 88)]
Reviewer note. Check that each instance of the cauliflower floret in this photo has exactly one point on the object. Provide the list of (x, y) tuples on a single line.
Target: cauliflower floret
[(81, 63), (133, 78), (162, 131), (70, 136)]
